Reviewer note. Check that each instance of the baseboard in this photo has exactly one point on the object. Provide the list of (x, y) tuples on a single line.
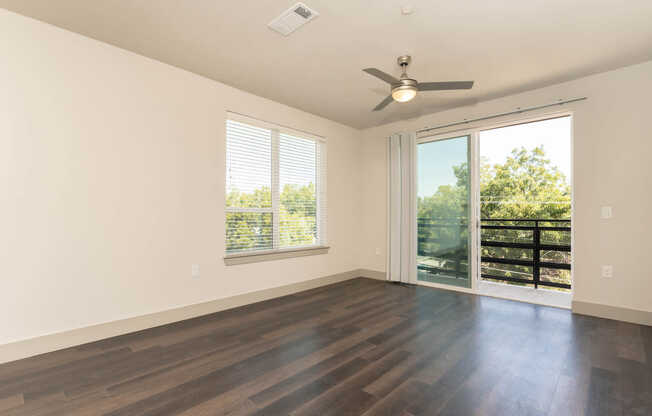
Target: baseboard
[(372, 274), (53, 342), (613, 312)]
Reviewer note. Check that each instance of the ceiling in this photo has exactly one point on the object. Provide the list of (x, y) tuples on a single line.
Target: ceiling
[(506, 46)]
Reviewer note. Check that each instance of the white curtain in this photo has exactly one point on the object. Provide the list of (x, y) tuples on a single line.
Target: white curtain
[(401, 261)]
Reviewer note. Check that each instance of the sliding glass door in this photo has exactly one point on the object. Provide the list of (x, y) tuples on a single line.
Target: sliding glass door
[(444, 211)]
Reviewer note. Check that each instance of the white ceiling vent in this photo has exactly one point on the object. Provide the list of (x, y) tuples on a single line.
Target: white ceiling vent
[(292, 19)]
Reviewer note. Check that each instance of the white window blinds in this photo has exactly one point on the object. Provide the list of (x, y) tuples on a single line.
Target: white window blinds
[(275, 187)]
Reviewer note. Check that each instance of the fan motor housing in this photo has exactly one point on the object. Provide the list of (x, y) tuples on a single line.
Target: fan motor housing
[(404, 60), (405, 82)]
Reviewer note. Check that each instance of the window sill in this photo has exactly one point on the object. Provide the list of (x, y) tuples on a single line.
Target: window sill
[(269, 255)]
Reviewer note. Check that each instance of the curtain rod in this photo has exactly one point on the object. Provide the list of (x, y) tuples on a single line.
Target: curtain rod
[(517, 111)]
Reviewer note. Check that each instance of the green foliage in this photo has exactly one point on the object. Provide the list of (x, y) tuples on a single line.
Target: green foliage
[(254, 230), (259, 198), (298, 225), (299, 199), (248, 230), (525, 186), (442, 226)]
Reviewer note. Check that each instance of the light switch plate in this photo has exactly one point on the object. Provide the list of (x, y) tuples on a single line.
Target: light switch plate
[(195, 270), (608, 271), (606, 212)]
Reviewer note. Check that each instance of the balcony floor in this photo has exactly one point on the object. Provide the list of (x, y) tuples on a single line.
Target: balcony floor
[(541, 296)]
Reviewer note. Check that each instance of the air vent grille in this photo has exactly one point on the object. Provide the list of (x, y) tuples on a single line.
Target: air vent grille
[(303, 12), (292, 19)]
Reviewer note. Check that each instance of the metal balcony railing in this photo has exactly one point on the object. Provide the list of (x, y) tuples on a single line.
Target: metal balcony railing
[(504, 242), (535, 243)]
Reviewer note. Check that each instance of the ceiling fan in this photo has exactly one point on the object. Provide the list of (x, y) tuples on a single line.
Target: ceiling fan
[(406, 88)]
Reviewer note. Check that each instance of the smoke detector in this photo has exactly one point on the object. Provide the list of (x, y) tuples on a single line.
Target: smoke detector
[(407, 9), (292, 19)]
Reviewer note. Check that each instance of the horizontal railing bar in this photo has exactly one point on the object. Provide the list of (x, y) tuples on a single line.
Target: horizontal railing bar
[(440, 270), (554, 284), (442, 256), (554, 247), (529, 246), (531, 282), (529, 263), (523, 220), (425, 220), (508, 227), (551, 265), (508, 279), (431, 240), (507, 245), (523, 227), (446, 225), (497, 219)]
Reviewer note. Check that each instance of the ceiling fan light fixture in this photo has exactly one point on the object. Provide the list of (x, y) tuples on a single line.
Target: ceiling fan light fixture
[(404, 93), (405, 88)]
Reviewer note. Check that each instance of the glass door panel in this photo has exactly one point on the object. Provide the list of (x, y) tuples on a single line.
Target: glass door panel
[(443, 211)]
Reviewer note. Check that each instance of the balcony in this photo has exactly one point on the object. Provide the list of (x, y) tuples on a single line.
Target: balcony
[(529, 252), (524, 252)]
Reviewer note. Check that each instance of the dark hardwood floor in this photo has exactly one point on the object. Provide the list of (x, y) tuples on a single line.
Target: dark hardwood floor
[(358, 347)]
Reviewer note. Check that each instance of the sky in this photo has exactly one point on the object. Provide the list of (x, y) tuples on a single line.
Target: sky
[(553, 134), (436, 159)]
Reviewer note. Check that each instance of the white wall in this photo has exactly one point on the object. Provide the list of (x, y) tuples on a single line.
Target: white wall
[(112, 184), (612, 157)]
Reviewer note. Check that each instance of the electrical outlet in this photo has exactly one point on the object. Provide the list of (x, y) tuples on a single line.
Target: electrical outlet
[(194, 271), (608, 271), (378, 252)]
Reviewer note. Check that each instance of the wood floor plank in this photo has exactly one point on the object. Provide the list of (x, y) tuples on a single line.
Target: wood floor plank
[(398, 399), (355, 347), (192, 393), (290, 384), (569, 397), (348, 396), (11, 402), (603, 397), (447, 345), (292, 401), (314, 364)]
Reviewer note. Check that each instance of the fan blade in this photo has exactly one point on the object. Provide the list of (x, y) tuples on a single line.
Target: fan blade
[(382, 75), (383, 103), (440, 86)]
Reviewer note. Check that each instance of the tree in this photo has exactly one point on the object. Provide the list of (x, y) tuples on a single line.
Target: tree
[(525, 186), (254, 230), (249, 230), (298, 220), (442, 241)]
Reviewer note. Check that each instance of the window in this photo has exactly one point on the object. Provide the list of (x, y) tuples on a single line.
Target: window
[(525, 204), (275, 188)]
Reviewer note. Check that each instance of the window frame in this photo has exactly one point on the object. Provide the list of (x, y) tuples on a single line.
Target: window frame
[(277, 252), (561, 299)]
